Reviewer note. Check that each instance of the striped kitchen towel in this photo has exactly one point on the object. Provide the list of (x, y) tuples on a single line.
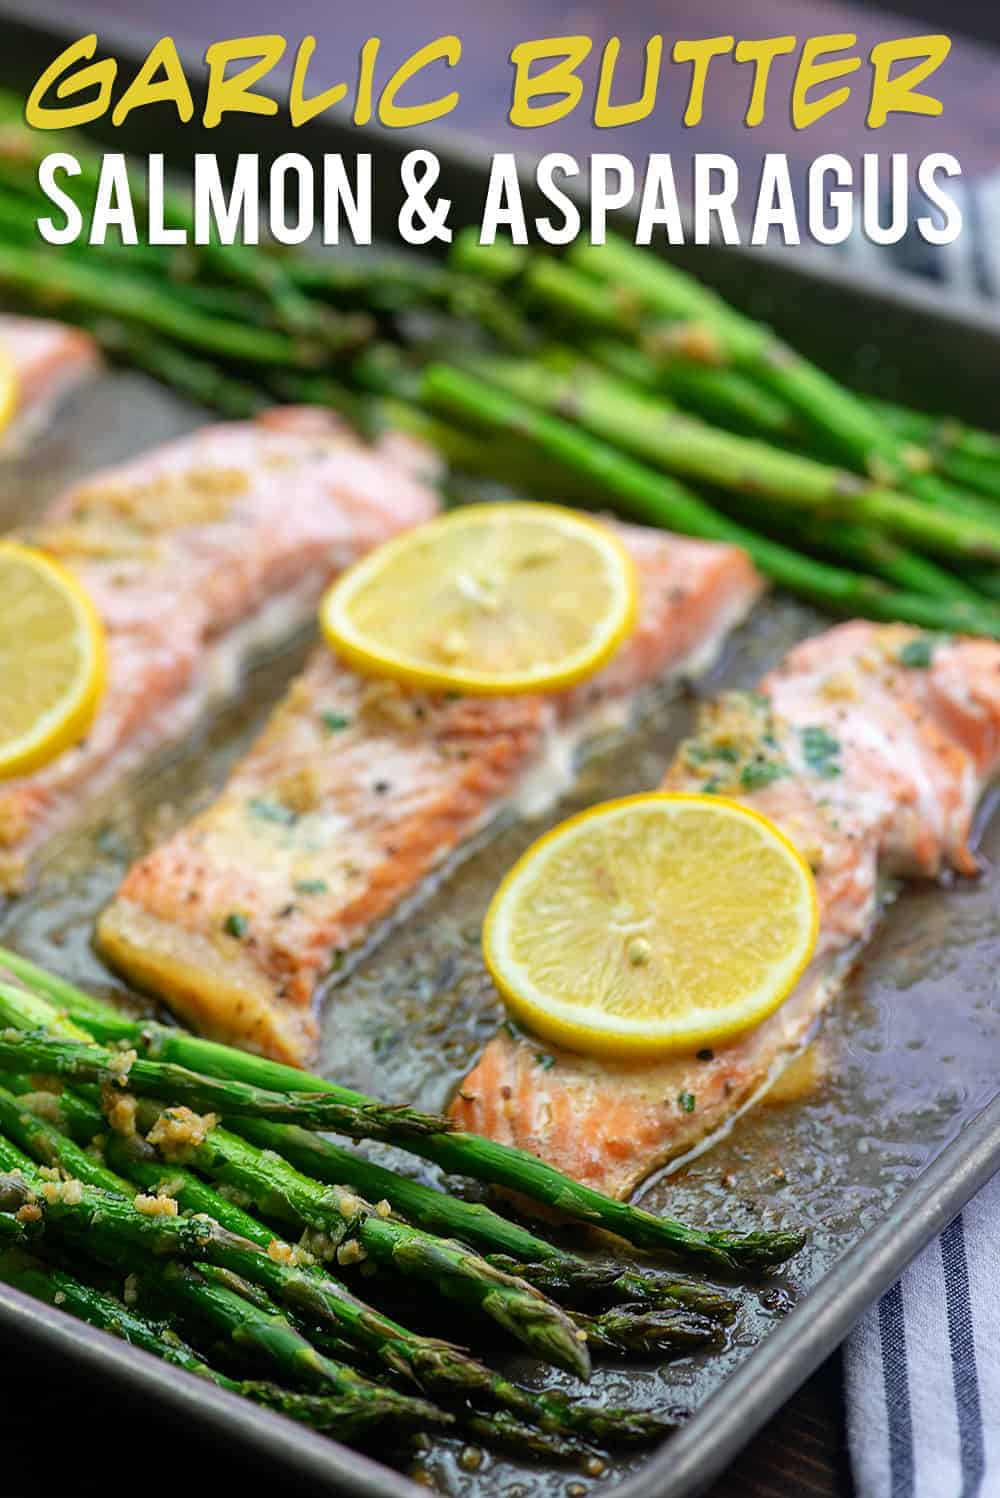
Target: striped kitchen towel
[(923, 1370)]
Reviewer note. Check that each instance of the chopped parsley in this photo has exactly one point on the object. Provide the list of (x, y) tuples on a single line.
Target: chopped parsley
[(685, 1101), (759, 773), (335, 722), (545, 1061), (917, 654), (272, 811), (700, 754), (711, 788), (236, 924), (821, 751), (311, 886)]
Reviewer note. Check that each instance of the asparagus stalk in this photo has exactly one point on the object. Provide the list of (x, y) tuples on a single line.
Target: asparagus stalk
[(21, 151), (458, 1273), (621, 1334), (50, 1055), (563, 1276), (981, 475), (344, 1413), (66, 285), (941, 434), (264, 1334), (722, 397), (428, 1362), (720, 334), (101, 1222), (567, 296), (611, 411), (197, 379), (654, 498), (566, 1277), (394, 284), (311, 1293), (860, 544), (463, 1154)]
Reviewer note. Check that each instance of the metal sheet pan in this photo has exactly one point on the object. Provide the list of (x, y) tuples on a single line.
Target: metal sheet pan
[(889, 1122)]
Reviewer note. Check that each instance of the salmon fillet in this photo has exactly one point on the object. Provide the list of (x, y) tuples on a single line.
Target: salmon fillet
[(356, 790), (194, 554), (870, 747), (50, 358)]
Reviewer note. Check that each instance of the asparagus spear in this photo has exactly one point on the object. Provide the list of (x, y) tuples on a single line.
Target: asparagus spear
[(430, 1363), (64, 284), (21, 151), (722, 335), (311, 1293), (195, 378), (50, 1055), (860, 544), (981, 475), (508, 1246), (565, 294), (942, 434), (344, 1413), (723, 397), (104, 1224), (610, 410), (656, 499), (858, 429), (358, 1231), (266, 1335), (566, 1277), (463, 1154), (621, 1334)]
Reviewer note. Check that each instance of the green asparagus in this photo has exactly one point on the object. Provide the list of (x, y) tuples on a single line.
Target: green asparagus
[(344, 1413), (463, 1154), (30, 1051), (654, 498), (608, 409), (357, 1230)]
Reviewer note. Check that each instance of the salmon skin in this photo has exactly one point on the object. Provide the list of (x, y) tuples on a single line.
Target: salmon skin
[(357, 789), (870, 747), (50, 359), (194, 555)]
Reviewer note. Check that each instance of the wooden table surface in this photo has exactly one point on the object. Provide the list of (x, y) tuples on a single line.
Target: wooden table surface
[(48, 1420)]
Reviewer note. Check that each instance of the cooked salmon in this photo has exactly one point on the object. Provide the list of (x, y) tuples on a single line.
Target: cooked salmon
[(49, 358), (870, 747), (357, 789), (194, 554)]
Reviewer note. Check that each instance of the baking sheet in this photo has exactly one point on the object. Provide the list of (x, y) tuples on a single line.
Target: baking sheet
[(900, 1064)]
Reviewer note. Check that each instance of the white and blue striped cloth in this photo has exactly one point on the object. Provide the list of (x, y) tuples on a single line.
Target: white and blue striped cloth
[(923, 1370)]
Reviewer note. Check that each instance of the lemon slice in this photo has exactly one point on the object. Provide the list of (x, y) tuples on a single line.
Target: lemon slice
[(51, 659), (652, 924), (496, 598), (9, 392)]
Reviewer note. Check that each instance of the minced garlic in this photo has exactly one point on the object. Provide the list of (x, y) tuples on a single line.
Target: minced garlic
[(155, 1206)]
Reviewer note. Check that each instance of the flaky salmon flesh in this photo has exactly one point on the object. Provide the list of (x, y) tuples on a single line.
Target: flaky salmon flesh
[(49, 359), (357, 789), (870, 747), (194, 554)]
